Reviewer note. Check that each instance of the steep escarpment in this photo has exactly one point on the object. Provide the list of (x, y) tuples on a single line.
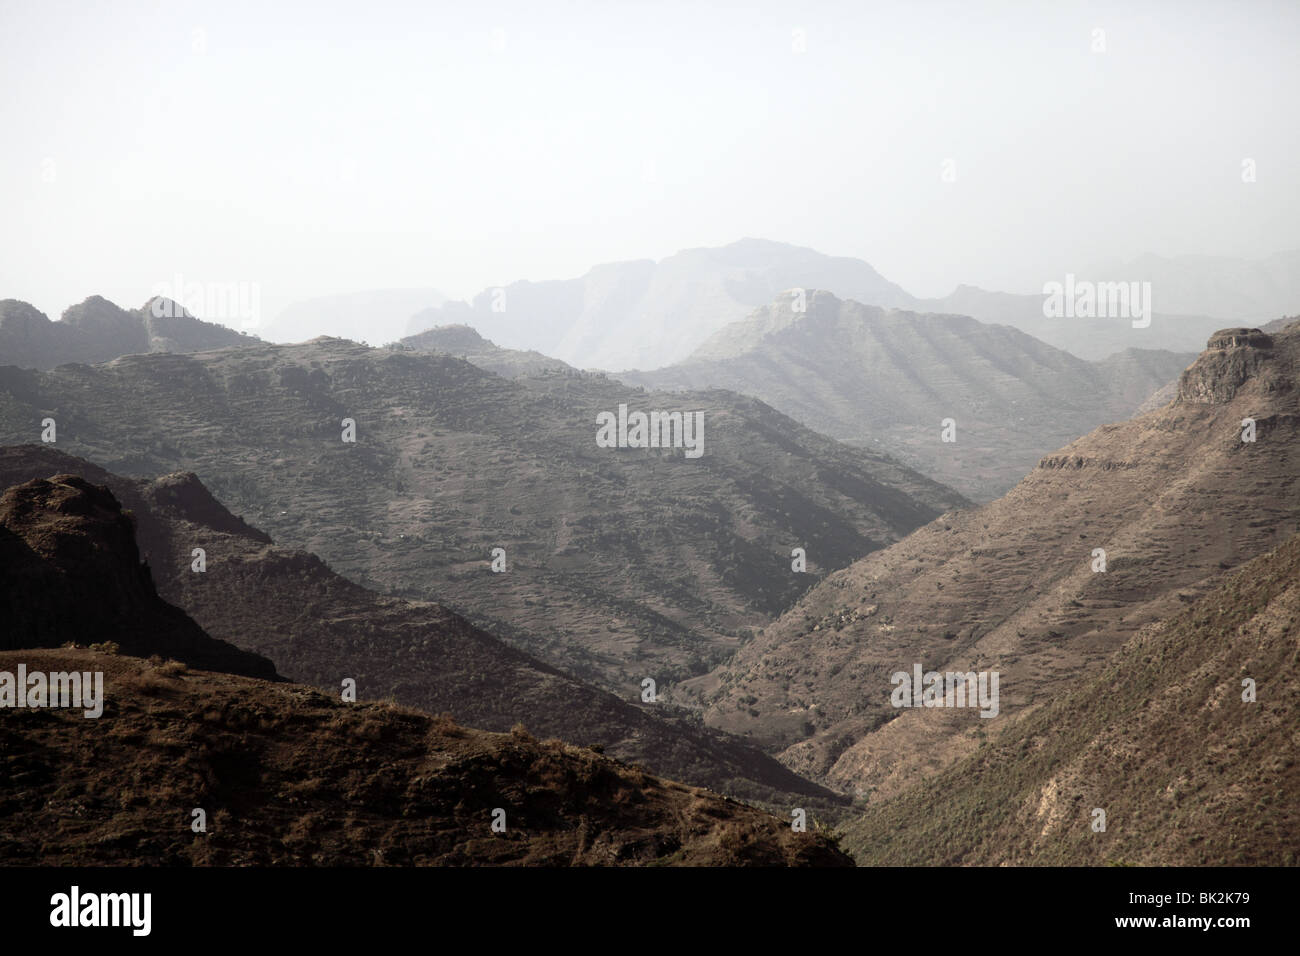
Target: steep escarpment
[(72, 574), (1185, 740), (1115, 531), (1232, 357)]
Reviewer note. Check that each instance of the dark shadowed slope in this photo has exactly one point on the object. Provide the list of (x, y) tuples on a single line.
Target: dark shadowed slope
[(320, 629), (283, 774), (72, 573)]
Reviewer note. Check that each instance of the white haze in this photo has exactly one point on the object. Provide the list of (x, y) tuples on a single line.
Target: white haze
[(322, 148)]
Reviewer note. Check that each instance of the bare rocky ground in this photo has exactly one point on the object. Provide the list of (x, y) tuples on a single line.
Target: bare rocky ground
[(287, 776), (622, 564), (1175, 498), (283, 773), (887, 379), (320, 628), (1161, 739)]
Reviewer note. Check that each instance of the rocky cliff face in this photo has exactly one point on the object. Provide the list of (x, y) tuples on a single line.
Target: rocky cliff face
[(73, 575), (1232, 356)]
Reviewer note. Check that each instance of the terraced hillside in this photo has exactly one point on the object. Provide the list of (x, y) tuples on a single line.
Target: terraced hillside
[(622, 563), (320, 629), (1173, 498), (889, 379), (1187, 770)]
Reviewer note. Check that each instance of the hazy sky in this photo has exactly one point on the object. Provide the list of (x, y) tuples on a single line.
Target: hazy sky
[(317, 148)]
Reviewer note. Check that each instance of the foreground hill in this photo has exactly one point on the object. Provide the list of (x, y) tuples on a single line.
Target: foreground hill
[(863, 374), (72, 572), (622, 564), (287, 776), (97, 331), (320, 628), (1173, 498), (284, 774), (1187, 772)]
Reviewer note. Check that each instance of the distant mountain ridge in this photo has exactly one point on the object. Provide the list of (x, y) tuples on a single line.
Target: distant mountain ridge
[(644, 315), (1087, 338), (376, 316), (1248, 290), (864, 374), (96, 330)]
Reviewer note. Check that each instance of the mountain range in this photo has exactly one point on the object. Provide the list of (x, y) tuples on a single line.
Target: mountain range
[(320, 628), (96, 330), (646, 315), (442, 521), (621, 564), (890, 378), (177, 766), (1116, 531)]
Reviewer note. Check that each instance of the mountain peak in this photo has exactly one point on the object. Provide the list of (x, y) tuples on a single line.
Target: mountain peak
[(96, 330), (447, 338), (159, 306), (183, 493), (20, 316), (1231, 357), (1239, 338)]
